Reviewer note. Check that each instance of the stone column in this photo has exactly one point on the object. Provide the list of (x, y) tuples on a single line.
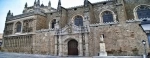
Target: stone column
[(21, 26), (65, 49), (19, 45), (51, 46), (55, 45), (86, 45), (102, 47), (14, 30), (60, 46), (80, 47)]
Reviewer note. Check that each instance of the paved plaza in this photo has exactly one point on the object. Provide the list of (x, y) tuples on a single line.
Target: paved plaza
[(21, 55)]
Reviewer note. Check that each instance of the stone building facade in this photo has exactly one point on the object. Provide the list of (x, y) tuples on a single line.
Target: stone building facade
[(77, 30), (1, 36)]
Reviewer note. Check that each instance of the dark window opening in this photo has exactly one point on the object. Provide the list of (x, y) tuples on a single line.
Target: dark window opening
[(78, 21), (104, 3), (53, 23), (27, 26), (107, 16), (51, 13), (143, 12), (18, 27), (75, 8)]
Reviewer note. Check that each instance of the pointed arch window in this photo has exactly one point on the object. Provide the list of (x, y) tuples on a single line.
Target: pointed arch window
[(143, 11), (107, 16), (53, 23), (78, 20), (18, 27)]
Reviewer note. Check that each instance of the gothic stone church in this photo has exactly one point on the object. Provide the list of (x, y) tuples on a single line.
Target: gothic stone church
[(78, 30)]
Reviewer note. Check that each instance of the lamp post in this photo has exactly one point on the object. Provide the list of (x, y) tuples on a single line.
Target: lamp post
[(145, 54), (145, 27)]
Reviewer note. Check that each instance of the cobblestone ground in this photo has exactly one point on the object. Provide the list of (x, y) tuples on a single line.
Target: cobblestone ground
[(20, 55)]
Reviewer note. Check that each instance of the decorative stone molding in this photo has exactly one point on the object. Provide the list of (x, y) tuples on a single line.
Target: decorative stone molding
[(101, 18), (65, 44), (136, 20), (104, 24), (43, 30), (135, 11), (19, 34), (15, 27), (73, 18), (25, 15)]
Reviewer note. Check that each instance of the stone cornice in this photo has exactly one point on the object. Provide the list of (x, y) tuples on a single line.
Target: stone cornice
[(136, 20), (19, 34), (25, 15), (103, 24)]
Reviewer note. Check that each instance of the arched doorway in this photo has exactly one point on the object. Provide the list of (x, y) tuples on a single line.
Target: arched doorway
[(72, 47)]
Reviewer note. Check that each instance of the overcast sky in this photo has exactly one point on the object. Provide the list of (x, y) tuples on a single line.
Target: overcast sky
[(17, 6)]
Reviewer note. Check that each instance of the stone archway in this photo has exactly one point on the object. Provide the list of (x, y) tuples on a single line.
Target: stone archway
[(72, 47)]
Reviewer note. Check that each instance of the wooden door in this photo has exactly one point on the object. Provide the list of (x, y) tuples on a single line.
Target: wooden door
[(72, 47)]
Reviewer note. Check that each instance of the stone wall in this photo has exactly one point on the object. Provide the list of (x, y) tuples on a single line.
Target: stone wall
[(41, 22), (101, 7), (120, 39), (44, 43), (63, 18), (21, 44), (131, 4)]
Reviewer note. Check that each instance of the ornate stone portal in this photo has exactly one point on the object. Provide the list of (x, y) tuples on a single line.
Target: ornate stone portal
[(102, 47)]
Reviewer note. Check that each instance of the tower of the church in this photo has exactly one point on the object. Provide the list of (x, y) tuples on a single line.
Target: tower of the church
[(26, 5), (59, 5), (9, 14), (59, 11), (85, 3), (49, 5), (37, 4), (87, 12)]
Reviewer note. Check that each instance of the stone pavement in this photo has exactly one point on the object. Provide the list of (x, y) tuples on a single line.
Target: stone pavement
[(21, 55)]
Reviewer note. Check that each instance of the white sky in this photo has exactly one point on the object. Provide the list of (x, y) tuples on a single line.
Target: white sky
[(17, 6)]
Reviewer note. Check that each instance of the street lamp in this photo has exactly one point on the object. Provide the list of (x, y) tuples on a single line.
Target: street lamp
[(145, 27), (145, 54)]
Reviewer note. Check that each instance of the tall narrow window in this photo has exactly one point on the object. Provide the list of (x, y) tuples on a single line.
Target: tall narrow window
[(143, 11), (18, 27), (53, 23), (78, 20), (107, 16)]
